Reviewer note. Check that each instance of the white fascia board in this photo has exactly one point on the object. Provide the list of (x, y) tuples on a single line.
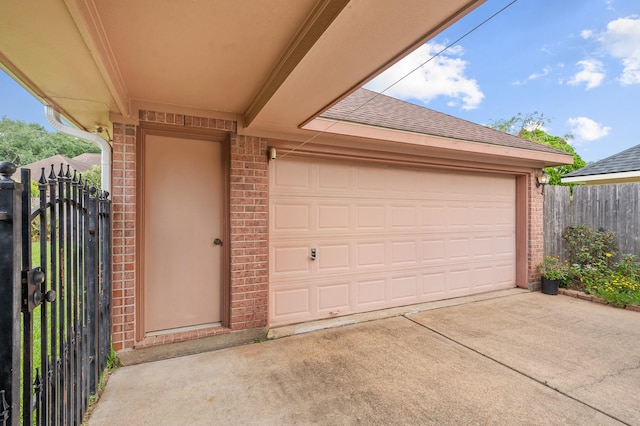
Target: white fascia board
[(606, 176)]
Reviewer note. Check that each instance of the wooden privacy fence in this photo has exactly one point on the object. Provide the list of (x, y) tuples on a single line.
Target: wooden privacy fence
[(612, 207)]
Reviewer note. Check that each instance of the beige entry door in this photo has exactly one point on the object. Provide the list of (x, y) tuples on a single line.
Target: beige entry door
[(183, 232)]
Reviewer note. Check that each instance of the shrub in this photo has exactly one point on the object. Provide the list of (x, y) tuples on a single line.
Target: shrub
[(589, 246), (629, 268), (589, 276)]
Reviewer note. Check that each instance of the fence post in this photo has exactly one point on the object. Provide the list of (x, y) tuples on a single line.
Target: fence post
[(91, 281), (10, 294), (105, 263)]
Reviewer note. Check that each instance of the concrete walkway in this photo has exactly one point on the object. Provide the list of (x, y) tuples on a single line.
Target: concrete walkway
[(519, 358)]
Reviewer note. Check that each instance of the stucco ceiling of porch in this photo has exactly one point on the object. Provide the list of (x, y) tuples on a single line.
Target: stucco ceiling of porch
[(270, 64)]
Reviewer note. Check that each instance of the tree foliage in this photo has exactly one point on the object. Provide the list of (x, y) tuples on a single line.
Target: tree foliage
[(530, 127), (92, 177), (24, 143)]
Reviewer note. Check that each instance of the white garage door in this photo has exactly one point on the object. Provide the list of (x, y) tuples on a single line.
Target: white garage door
[(383, 236)]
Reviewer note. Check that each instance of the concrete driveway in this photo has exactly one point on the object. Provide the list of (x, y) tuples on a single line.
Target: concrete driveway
[(506, 358)]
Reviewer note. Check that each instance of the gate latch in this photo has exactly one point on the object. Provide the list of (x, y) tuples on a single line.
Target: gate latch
[(32, 296)]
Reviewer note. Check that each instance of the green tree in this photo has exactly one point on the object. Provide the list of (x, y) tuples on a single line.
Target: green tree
[(23, 143), (529, 127), (92, 177)]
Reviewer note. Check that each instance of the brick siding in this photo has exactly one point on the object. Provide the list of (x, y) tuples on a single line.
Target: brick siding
[(123, 198), (248, 215), (536, 231), (249, 232)]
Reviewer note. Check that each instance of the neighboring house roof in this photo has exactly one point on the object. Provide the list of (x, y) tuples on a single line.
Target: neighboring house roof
[(89, 158), (374, 109), (56, 161), (618, 168)]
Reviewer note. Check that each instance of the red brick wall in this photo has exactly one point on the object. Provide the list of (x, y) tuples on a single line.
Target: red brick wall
[(123, 198), (536, 231), (248, 231)]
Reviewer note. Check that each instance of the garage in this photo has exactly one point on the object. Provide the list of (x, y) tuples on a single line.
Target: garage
[(350, 236)]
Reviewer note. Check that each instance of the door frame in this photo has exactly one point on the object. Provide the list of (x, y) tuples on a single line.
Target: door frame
[(218, 136)]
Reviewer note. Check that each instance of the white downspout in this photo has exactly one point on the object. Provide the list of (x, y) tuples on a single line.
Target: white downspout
[(53, 117)]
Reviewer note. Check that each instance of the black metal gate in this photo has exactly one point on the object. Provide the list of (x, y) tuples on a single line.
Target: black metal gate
[(55, 289)]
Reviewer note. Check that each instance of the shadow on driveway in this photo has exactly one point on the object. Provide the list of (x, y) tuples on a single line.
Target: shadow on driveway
[(527, 358)]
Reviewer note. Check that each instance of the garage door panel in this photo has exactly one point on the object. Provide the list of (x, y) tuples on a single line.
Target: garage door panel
[(333, 217), (370, 217), (459, 249), (504, 245), (504, 275), (504, 216), (369, 180), (460, 281), (483, 217), (404, 252), (404, 287), (333, 257), (404, 217), (290, 260), (484, 277), (404, 181), (483, 247), (459, 217), (290, 216), (370, 254), (433, 250), (433, 285), (333, 297), (385, 236), (290, 302), (334, 177), (291, 175), (433, 217), (370, 293)]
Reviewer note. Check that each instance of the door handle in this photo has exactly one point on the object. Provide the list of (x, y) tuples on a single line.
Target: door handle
[(217, 242)]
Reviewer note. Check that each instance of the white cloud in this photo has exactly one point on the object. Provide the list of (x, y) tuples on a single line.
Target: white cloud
[(586, 34), (536, 75), (586, 129), (545, 71), (592, 74), (622, 41), (442, 76)]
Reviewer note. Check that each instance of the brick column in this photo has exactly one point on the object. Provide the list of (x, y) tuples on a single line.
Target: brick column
[(124, 236), (249, 275), (535, 231)]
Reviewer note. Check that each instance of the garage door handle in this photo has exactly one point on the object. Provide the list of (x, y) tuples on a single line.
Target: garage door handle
[(217, 242)]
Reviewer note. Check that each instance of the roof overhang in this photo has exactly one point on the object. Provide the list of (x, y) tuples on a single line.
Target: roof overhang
[(421, 144), (270, 64), (603, 179)]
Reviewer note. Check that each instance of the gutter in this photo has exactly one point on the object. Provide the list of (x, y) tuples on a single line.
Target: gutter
[(53, 117)]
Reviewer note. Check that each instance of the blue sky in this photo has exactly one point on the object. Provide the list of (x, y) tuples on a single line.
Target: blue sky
[(575, 61)]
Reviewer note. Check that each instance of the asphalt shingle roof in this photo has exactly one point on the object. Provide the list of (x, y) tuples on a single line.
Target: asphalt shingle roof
[(75, 163), (625, 161), (374, 109)]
